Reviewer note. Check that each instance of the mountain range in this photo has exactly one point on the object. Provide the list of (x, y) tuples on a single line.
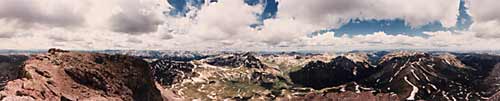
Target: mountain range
[(352, 76)]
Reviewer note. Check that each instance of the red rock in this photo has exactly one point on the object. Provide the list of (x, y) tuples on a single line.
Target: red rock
[(62, 75)]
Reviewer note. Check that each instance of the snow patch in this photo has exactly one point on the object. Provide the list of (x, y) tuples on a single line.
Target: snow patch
[(413, 92), (357, 57), (415, 75)]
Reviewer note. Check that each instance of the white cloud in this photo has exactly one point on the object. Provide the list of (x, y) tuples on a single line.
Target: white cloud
[(228, 21), (440, 40), (298, 18), (28, 13), (276, 31), (80, 24), (215, 25), (136, 16), (225, 19), (486, 17), (333, 13), (127, 16)]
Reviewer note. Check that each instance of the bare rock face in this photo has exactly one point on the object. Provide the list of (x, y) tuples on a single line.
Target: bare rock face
[(62, 75)]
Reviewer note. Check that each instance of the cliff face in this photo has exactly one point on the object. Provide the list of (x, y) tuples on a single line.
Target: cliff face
[(63, 75), (10, 68)]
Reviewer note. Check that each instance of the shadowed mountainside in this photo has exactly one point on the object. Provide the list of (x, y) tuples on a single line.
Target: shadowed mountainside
[(412, 75), (10, 68)]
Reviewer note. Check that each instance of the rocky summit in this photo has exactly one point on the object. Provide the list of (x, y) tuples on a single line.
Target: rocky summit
[(71, 76), (354, 76)]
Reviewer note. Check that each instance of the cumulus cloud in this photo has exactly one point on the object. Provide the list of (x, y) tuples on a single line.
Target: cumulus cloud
[(136, 17), (48, 12), (213, 25), (6, 35), (220, 20), (276, 31), (333, 13), (440, 40), (80, 24), (126, 16), (298, 18), (486, 17)]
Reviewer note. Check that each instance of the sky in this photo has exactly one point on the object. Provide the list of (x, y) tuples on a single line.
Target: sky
[(250, 24)]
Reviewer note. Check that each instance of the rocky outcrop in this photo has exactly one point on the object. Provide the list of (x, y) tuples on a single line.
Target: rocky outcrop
[(236, 60), (168, 72), (341, 70), (65, 76)]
